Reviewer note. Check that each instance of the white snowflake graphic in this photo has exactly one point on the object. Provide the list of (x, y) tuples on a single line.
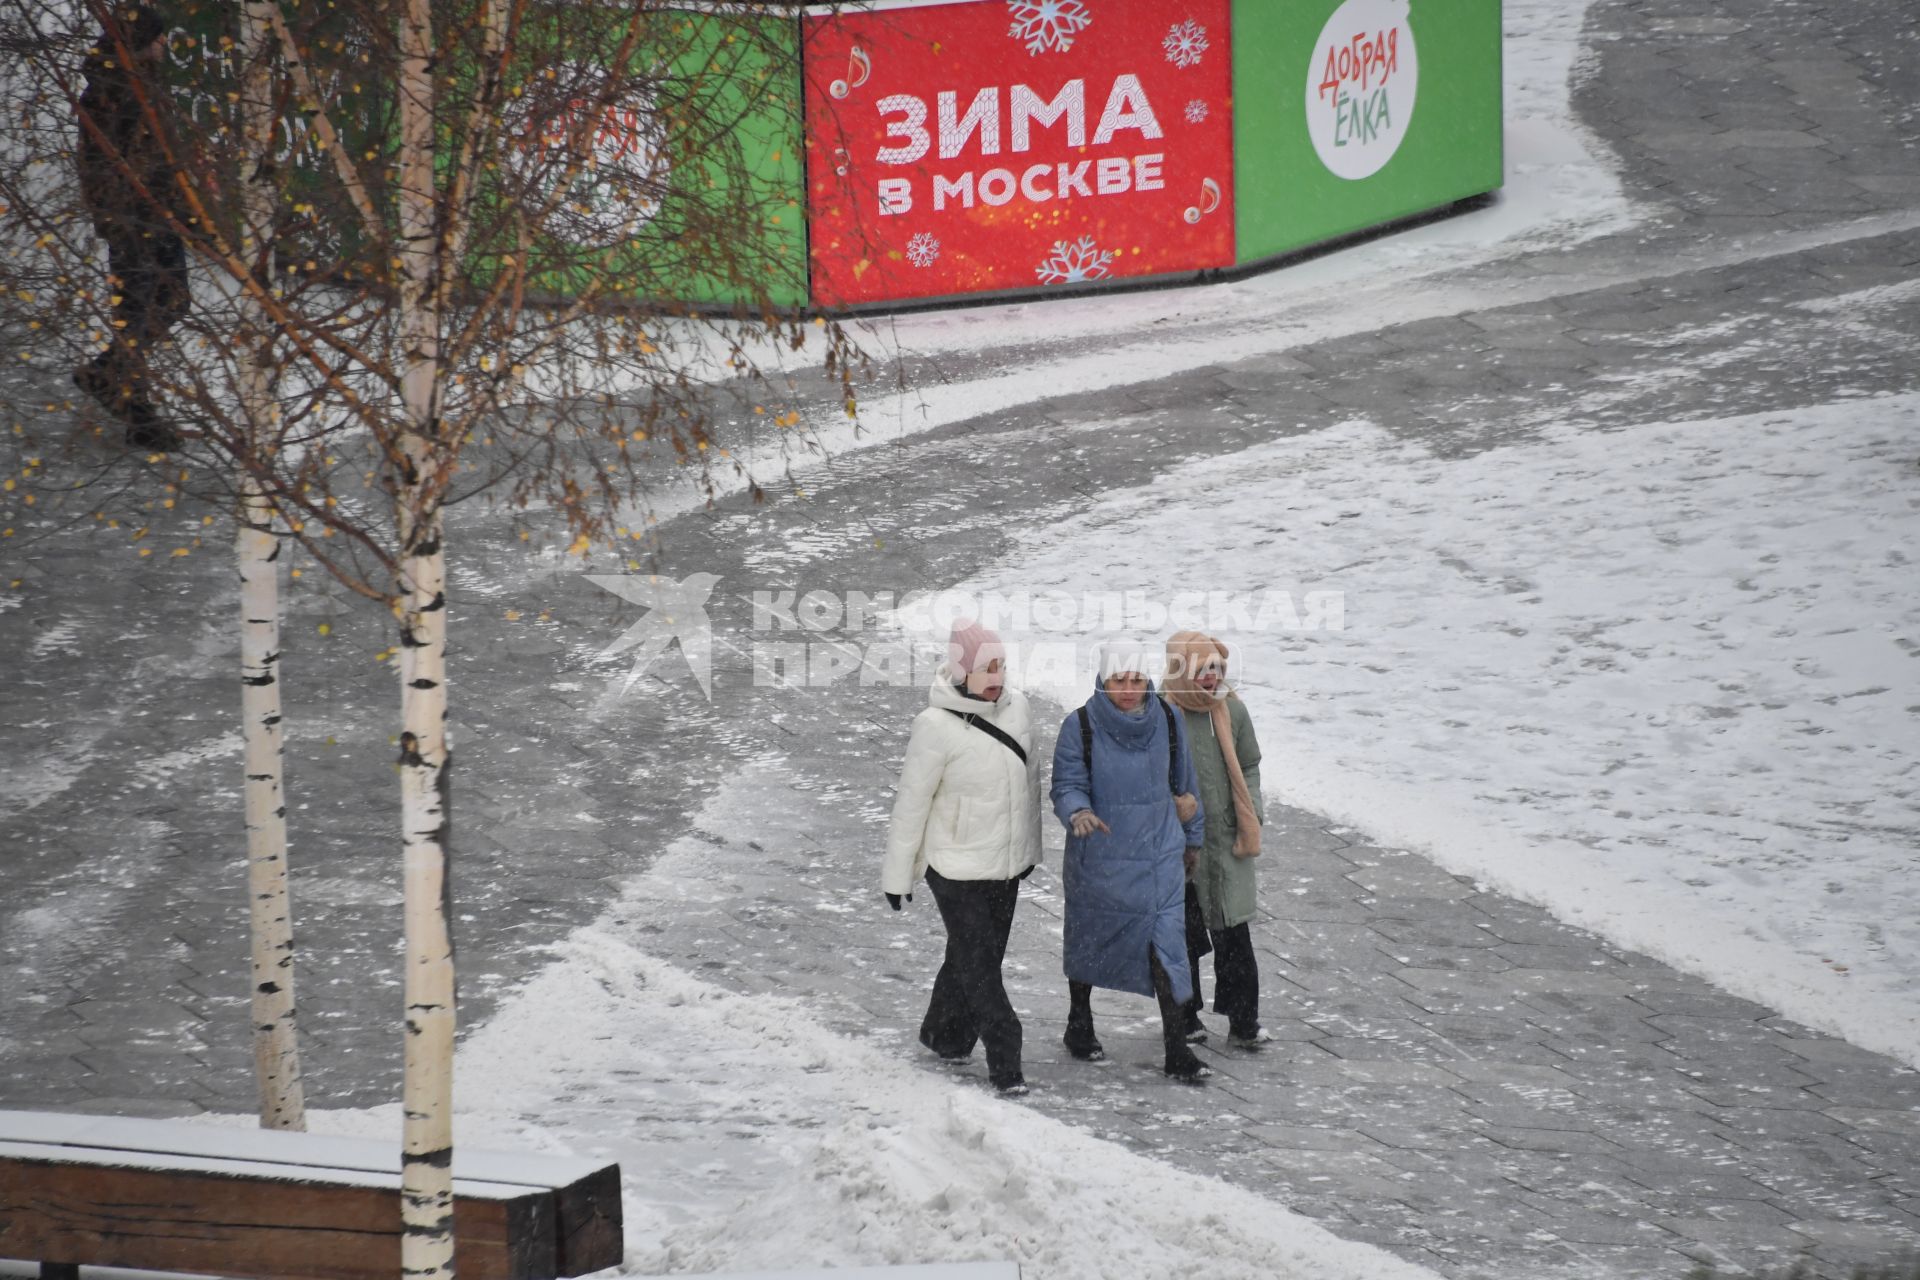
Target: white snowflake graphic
[(1071, 263), (1196, 111), (923, 250), (1185, 44), (1048, 24)]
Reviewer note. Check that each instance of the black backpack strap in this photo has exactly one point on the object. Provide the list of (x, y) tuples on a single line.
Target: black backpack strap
[(1173, 748), (1086, 750), (993, 731)]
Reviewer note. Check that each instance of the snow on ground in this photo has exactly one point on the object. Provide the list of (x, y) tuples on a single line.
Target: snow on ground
[(1659, 680), (751, 1137)]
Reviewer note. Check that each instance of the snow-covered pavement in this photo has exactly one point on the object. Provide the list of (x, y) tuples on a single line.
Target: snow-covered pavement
[(1659, 679), (1617, 479)]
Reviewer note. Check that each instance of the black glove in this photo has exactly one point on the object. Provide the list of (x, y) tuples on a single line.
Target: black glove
[(1029, 871), (893, 900)]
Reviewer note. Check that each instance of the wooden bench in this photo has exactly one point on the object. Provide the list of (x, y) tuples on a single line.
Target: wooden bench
[(168, 1195)]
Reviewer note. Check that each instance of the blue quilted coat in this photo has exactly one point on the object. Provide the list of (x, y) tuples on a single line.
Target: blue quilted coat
[(1126, 891)]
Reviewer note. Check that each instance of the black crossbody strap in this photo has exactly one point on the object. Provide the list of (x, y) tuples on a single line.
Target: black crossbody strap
[(993, 731)]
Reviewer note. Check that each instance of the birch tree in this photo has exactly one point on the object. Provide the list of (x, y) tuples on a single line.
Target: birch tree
[(458, 277), (41, 235), (276, 1049)]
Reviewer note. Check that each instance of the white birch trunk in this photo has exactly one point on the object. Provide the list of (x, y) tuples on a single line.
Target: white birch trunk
[(426, 1172), (276, 1051)]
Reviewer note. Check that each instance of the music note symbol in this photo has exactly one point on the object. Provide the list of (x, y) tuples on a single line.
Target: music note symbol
[(842, 158), (1209, 201), (859, 68)]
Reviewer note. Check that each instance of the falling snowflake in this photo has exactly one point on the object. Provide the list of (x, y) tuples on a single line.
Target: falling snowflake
[(1048, 24), (923, 250), (1186, 42), (1196, 111), (1072, 263)]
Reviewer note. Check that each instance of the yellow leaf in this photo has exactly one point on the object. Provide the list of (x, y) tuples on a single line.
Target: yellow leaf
[(324, 629), (513, 615), (580, 546), (181, 551)]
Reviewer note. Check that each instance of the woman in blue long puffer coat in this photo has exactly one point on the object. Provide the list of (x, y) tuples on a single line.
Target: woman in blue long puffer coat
[(1124, 786)]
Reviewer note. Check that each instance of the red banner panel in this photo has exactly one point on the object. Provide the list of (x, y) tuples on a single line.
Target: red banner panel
[(1016, 144)]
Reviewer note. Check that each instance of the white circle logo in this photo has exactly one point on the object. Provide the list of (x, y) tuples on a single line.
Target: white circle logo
[(1361, 86), (617, 182)]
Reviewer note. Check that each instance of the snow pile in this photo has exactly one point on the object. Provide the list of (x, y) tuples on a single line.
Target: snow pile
[(1659, 680)]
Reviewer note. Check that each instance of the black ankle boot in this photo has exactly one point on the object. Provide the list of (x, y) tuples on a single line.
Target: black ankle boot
[(1082, 1045), (1186, 1067)]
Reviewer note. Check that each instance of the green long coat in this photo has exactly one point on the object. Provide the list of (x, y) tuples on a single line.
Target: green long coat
[(1227, 893)]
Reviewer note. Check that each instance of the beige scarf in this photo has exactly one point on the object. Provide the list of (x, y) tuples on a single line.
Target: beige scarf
[(1187, 652)]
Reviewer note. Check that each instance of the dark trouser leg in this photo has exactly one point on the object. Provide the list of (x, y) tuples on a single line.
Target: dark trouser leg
[(949, 1028), (969, 996), (151, 282), (1173, 1015), (1080, 1037), (1195, 1002), (1237, 972)]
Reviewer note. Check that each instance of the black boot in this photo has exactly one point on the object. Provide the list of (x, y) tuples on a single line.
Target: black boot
[(1185, 1067), (1181, 1063), (1079, 1039)]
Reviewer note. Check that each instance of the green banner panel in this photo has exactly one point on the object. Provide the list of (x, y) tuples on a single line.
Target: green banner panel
[(695, 190), (1353, 113)]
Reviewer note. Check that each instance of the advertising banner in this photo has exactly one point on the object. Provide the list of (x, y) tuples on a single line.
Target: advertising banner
[(693, 190), (988, 145), (1354, 113)]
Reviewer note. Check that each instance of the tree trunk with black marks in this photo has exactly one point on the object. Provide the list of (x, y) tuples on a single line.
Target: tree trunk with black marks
[(426, 1171), (276, 1049)]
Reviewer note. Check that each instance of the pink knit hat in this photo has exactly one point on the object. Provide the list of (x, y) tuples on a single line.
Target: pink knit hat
[(971, 647)]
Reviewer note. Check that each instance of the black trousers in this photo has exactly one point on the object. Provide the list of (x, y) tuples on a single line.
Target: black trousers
[(969, 1001), (1236, 978), (1172, 1012), (150, 281)]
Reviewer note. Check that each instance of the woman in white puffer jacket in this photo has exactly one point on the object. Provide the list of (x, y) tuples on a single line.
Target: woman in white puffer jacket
[(966, 815)]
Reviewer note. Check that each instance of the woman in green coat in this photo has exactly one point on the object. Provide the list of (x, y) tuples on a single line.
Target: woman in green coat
[(1226, 758)]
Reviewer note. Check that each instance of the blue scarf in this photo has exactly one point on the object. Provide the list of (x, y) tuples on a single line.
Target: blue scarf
[(1131, 729)]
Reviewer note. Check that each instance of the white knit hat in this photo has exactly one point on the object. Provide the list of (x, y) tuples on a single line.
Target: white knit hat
[(1117, 656)]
